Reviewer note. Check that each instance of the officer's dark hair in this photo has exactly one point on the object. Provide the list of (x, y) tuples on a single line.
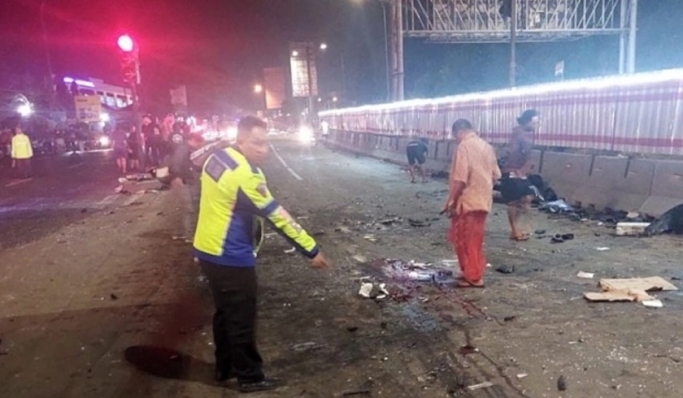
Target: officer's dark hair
[(248, 123), (461, 125)]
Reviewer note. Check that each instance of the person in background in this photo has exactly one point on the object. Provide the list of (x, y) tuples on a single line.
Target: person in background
[(473, 174), (152, 141), (134, 149), (516, 190), (185, 180), (417, 156), (234, 202), (120, 145), (22, 152)]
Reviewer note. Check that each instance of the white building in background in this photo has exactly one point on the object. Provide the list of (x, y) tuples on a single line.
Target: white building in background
[(110, 95)]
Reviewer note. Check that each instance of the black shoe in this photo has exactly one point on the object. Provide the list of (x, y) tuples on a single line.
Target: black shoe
[(263, 385), (222, 375)]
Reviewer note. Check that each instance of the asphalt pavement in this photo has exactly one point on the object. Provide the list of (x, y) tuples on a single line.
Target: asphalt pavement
[(96, 299)]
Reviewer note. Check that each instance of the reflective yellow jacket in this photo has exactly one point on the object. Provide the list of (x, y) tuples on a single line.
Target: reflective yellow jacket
[(234, 200), (21, 147)]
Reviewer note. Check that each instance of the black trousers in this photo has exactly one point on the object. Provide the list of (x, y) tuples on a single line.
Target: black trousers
[(24, 168), (234, 293)]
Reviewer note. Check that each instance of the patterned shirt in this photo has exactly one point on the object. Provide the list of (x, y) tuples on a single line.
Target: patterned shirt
[(475, 165)]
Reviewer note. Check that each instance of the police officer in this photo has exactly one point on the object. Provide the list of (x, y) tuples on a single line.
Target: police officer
[(234, 201)]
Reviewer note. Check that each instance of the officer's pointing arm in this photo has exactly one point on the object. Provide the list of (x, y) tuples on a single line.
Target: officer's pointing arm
[(267, 207)]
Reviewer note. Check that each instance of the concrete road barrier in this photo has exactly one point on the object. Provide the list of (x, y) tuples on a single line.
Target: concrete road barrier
[(566, 172), (666, 188), (631, 192)]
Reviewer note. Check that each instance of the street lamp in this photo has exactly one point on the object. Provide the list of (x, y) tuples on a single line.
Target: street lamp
[(323, 46), (25, 110), (295, 53), (130, 65), (258, 89)]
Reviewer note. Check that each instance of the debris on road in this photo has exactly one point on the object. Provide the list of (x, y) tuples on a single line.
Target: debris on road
[(645, 284), (653, 303), (413, 271), (585, 275), (311, 345), (506, 269), (485, 384), (561, 383), (449, 263), (670, 221), (509, 318), (366, 289), (370, 237), (291, 251), (418, 223), (613, 296), (632, 228), (602, 249), (631, 289), (360, 259), (556, 207), (354, 393), (390, 221), (522, 375), (113, 296), (468, 349)]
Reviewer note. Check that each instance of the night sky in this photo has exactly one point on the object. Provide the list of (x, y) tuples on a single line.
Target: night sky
[(219, 47)]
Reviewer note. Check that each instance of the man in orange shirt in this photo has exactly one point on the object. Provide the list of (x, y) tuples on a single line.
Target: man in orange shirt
[(473, 173)]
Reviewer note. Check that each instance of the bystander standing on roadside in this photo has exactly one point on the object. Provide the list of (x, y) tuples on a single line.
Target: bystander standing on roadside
[(22, 153), (134, 149), (185, 181), (120, 144), (516, 164), (473, 174)]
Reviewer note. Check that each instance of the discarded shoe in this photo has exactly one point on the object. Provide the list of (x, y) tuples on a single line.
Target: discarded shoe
[(263, 385), (557, 239), (506, 269)]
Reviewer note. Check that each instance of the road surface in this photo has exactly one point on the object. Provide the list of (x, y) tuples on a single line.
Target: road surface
[(97, 300)]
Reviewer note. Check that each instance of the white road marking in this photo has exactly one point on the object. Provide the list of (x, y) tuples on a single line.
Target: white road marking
[(17, 182), (292, 172)]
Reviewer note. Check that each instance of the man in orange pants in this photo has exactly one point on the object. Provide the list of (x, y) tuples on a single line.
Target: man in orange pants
[(473, 173)]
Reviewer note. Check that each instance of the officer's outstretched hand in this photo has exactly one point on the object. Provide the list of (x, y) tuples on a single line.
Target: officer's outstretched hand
[(319, 262)]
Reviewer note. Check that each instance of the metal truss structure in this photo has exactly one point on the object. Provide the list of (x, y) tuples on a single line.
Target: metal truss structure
[(509, 21), (489, 21)]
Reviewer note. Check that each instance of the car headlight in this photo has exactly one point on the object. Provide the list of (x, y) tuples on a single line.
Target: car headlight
[(306, 134)]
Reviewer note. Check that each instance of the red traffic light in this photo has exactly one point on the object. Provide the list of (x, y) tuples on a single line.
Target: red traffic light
[(126, 43)]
